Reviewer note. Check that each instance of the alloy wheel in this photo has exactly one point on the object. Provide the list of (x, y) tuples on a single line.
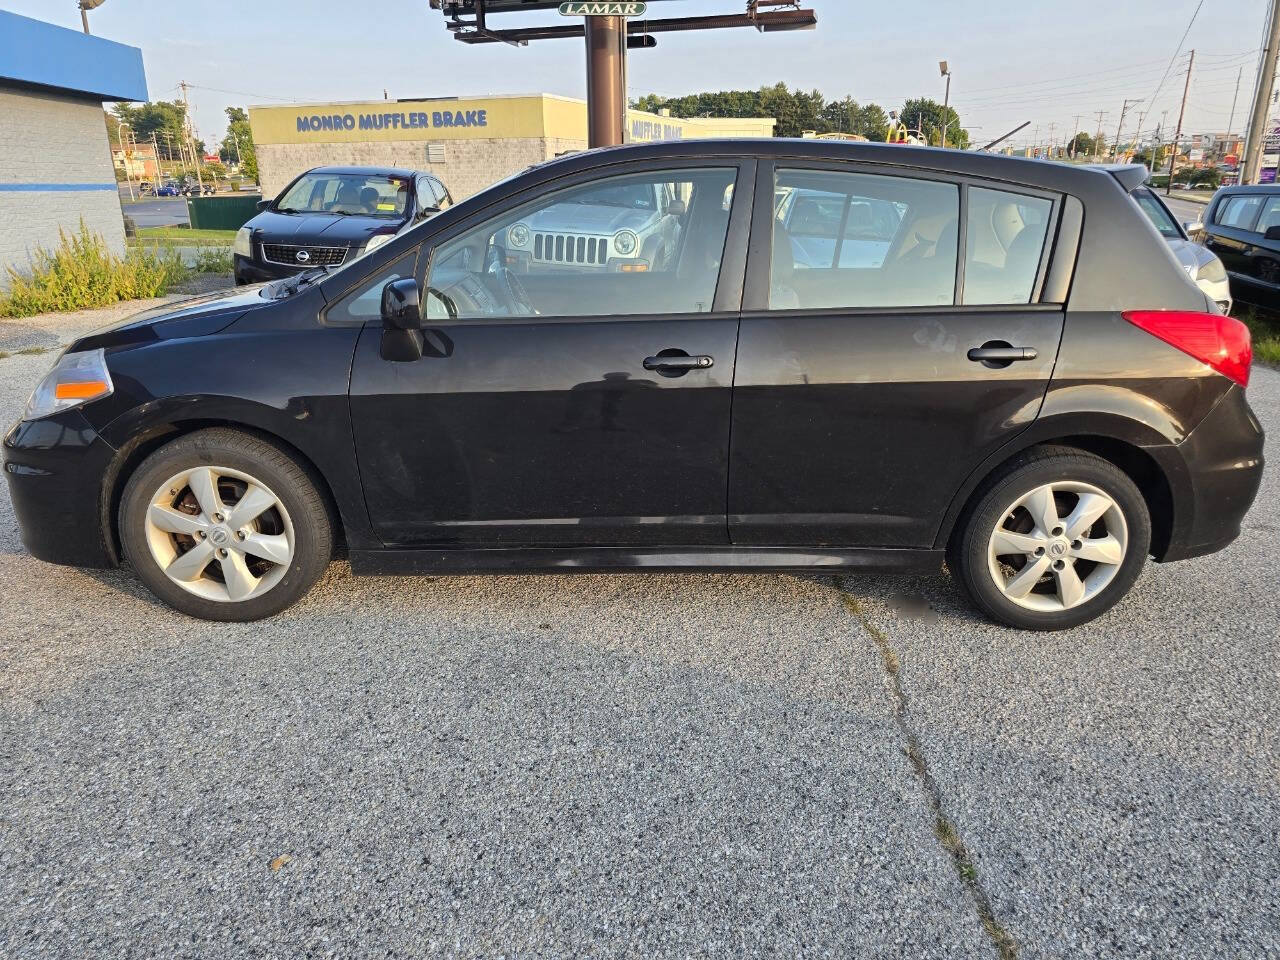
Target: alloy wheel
[(1058, 546), (219, 533)]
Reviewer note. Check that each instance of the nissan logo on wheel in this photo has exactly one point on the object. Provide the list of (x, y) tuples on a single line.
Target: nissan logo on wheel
[(303, 256)]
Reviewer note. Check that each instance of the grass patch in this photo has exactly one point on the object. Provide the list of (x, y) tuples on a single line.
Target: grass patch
[(182, 237), (1265, 327), (213, 260), (81, 272)]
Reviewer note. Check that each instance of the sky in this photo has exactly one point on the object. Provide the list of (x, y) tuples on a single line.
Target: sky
[(1047, 63)]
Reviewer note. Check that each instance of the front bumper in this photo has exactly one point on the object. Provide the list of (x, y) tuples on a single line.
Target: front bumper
[(248, 270), (56, 469), (1219, 466)]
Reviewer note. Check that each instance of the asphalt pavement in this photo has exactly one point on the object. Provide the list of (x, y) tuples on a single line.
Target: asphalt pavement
[(644, 765), (156, 211)]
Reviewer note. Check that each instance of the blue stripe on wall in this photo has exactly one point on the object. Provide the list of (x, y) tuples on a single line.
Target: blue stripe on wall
[(53, 187)]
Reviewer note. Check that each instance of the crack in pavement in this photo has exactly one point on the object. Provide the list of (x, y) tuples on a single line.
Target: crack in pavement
[(944, 829)]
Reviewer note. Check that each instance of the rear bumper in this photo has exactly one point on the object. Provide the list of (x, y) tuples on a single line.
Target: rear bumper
[(55, 469), (1218, 470)]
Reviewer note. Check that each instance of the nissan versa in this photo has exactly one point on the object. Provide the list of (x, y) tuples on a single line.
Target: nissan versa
[(1011, 372)]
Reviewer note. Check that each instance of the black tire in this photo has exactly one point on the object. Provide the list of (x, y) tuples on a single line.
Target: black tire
[(294, 486), (967, 556)]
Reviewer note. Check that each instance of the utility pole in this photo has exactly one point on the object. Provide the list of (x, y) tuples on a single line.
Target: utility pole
[(1074, 137), (155, 152), (1231, 119), (1120, 126), (1257, 130), (1051, 141), (1097, 139), (189, 131), (1173, 156)]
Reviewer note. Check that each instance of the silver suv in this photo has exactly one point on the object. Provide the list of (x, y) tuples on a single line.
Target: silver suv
[(624, 228)]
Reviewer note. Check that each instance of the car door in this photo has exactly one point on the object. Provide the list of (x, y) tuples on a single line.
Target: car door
[(871, 383), (1262, 263), (1230, 234), (564, 398)]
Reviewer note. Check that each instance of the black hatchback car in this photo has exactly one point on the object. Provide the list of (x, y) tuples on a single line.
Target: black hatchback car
[(330, 215), (941, 355), (1242, 226)]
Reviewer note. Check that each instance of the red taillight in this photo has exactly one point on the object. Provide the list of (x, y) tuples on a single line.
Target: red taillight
[(1221, 342)]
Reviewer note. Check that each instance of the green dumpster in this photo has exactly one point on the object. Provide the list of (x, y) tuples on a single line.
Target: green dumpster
[(222, 213)]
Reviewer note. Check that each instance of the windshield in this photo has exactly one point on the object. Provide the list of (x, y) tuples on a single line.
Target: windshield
[(1158, 214), (348, 194)]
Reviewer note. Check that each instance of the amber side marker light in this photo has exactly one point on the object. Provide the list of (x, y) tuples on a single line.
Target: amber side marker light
[(1223, 343), (81, 391)]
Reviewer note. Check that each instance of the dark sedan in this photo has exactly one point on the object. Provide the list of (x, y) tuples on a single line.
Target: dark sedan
[(1022, 381), (1242, 226), (330, 215)]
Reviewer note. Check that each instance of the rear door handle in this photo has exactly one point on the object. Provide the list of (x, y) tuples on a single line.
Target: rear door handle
[(1002, 354), (678, 363)]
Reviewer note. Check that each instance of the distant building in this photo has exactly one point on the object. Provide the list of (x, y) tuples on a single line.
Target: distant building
[(469, 143), (55, 161), (137, 161)]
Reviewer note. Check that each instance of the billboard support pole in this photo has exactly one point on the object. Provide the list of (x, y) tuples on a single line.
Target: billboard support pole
[(606, 87)]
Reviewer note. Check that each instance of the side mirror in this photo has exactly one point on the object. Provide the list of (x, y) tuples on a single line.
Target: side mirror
[(426, 204), (263, 204), (1192, 226), (677, 208), (1273, 233), (400, 305)]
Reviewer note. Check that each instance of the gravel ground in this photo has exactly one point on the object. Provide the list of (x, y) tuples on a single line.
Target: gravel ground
[(635, 765)]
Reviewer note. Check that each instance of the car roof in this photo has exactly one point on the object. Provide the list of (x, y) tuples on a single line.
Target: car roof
[(1046, 174), (1251, 188), (378, 171)]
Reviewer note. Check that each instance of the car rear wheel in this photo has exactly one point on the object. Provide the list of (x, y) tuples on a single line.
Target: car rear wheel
[(223, 525), (1053, 540)]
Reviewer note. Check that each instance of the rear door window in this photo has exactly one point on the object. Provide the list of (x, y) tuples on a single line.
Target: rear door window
[(860, 240), (1003, 246), (1239, 212)]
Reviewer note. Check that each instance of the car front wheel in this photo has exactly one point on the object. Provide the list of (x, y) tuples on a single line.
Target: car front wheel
[(1053, 540), (223, 525)]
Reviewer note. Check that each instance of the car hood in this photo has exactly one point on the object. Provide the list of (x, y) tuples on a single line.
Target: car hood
[(584, 218), (194, 317), (1191, 256), (321, 229)]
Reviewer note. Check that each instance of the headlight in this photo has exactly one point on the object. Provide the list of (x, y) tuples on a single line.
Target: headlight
[(75, 379), (518, 235), (625, 242), (1213, 271), (377, 240), (243, 245)]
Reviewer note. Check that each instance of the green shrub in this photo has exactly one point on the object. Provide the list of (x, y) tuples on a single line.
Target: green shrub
[(213, 260), (82, 273)]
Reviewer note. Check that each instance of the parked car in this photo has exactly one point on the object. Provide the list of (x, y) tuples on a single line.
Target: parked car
[(193, 188), (1202, 265), (1241, 226), (330, 215), (145, 186), (170, 188), (1043, 410)]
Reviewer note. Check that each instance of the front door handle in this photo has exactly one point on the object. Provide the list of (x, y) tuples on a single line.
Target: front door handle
[(661, 363), (1002, 354)]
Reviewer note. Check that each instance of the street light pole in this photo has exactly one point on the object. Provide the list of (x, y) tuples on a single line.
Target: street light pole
[(946, 100)]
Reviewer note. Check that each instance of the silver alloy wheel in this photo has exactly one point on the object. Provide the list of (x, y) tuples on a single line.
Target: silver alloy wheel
[(1048, 562), (219, 533)]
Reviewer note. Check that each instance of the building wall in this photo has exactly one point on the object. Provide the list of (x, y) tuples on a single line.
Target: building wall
[(55, 169), (469, 165), (484, 139)]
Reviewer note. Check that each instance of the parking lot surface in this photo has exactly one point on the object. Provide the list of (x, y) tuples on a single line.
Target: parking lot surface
[(646, 765)]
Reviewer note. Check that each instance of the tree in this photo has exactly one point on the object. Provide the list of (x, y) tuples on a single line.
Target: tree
[(237, 145), (929, 117), (160, 117), (847, 116), (1081, 145)]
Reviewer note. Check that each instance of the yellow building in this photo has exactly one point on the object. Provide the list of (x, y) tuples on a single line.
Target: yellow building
[(469, 143)]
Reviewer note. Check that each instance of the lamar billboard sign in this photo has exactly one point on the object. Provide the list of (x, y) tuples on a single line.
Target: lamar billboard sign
[(600, 9)]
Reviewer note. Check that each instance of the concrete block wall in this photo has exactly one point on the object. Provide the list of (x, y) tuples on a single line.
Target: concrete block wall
[(469, 165), (55, 168)]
